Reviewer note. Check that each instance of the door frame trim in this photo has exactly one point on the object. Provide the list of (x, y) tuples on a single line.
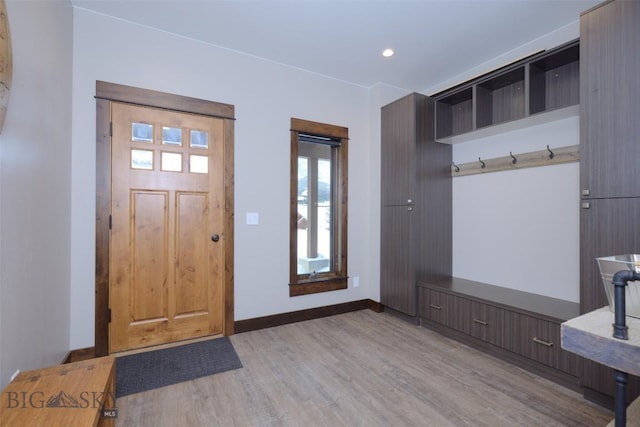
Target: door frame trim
[(111, 92)]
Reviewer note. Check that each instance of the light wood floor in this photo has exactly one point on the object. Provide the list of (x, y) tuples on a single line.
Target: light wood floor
[(361, 369)]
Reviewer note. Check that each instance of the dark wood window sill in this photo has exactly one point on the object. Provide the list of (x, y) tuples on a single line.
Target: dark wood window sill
[(317, 286)]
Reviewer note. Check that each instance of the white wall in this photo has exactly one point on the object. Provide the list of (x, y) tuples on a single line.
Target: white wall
[(266, 95), (519, 229), (35, 164)]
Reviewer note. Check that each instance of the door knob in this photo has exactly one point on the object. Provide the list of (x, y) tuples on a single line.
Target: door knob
[(215, 237)]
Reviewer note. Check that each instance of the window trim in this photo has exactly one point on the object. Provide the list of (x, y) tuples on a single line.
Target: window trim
[(337, 278)]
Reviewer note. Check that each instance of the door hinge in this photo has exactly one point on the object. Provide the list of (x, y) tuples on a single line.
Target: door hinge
[(109, 222), (109, 315), (110, 128)]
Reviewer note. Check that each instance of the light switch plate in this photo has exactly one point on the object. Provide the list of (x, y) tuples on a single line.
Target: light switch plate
[(253, 218)]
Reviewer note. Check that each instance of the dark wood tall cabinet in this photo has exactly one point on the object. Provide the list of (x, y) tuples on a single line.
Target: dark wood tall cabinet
[(415, 235), (610, 93), (609, 156)]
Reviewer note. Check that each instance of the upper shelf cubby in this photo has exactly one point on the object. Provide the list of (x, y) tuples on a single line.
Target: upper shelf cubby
[(514, 96), (500, 99), (554, 80), (455, 113)]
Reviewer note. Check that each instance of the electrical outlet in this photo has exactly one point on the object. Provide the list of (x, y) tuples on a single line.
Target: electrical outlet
[(356, 281), (15, 374)]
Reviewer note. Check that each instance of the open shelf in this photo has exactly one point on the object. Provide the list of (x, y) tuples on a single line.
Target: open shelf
[(500, 99), (554, 81), (454, 113), (531, 120), (518, 95)]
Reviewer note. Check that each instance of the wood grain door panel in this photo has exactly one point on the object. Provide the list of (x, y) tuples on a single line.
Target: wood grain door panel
[(150, 247), (398, 152), (431, 305), (487, 323), (609, 101), (607, 227), (191, 252), (539, 340), (446, 309), (397, 276)]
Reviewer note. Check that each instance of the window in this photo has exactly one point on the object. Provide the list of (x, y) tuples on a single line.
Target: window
[(318, 258)]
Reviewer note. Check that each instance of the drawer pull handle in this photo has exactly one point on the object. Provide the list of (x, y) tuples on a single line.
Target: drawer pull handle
[(480, 322), (437, 307), (544, 343)]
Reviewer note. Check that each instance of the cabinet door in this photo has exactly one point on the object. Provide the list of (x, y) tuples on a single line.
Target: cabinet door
[(609, 101), (446, 309), (397, 270), (601, 378), (607, 227), (398, 134), (459, 314), (487, 323), (434, 306), (539, 340)]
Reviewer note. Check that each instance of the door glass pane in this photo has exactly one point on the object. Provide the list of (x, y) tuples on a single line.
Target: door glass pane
[(171, 136), (171, 162), (142, 159), (199, 139), (198, 164), (142, 132)]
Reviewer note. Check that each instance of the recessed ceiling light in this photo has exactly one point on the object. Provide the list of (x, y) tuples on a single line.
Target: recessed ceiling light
[(387, 53)]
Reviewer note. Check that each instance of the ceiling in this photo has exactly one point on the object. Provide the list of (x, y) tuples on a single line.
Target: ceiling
[(434, 40)]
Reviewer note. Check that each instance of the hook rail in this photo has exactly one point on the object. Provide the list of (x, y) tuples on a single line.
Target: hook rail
[(523, 160)]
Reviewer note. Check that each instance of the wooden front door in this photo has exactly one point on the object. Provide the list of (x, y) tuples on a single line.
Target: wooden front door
[(167, 226)]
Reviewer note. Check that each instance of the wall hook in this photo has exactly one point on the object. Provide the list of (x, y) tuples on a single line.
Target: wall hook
[(551, 155), (482, 165), (514, 161), (456, 166)]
